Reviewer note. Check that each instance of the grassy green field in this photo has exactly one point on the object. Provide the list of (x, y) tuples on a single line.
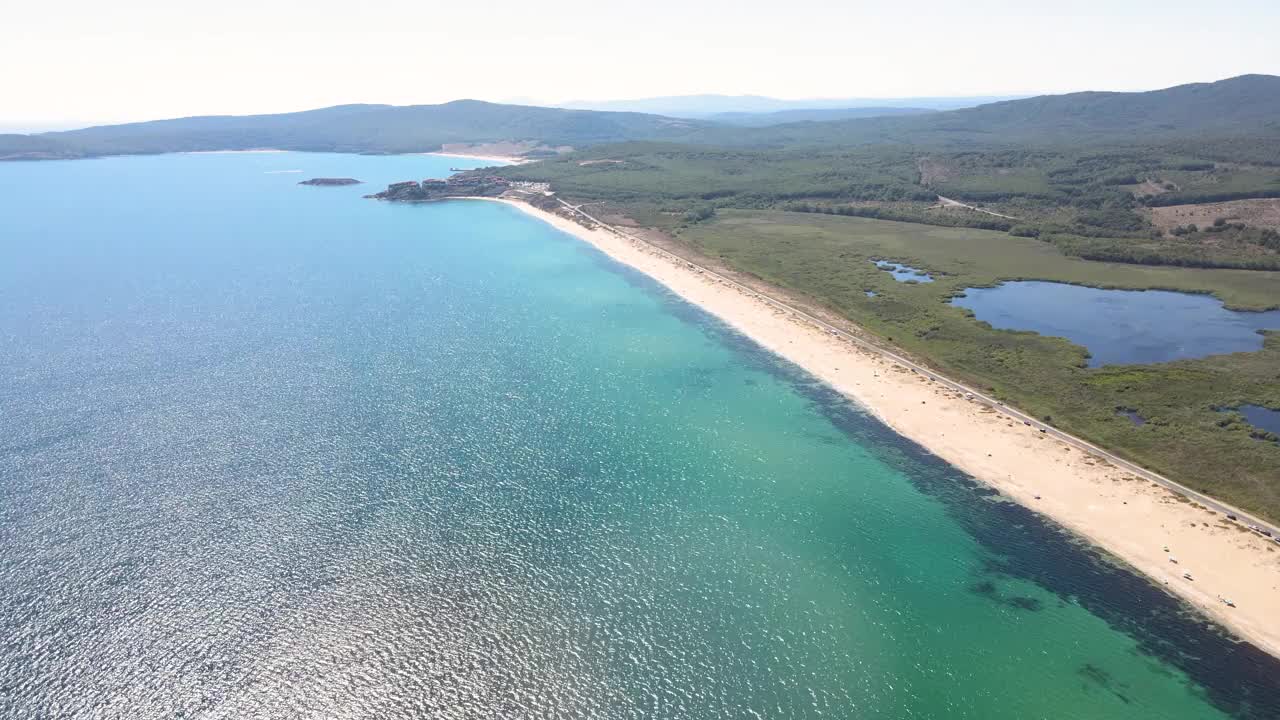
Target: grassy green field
[(1002, 182), (1221, 183), (828, 259)]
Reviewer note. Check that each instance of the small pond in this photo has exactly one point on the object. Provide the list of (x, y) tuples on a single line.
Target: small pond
[(903, 273), (1133, 416), (1122, 327), (1263, 419)]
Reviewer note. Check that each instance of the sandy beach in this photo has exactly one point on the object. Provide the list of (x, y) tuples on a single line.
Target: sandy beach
[(1157, 532), (495, 159), (232, 152)]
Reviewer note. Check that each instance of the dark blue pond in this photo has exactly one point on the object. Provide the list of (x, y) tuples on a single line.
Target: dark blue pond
[(904, 273), (1261, 417), (1264, 421), (1133, 416), (1122, 327)]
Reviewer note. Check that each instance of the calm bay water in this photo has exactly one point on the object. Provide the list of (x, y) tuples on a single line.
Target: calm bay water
[(274, 451)]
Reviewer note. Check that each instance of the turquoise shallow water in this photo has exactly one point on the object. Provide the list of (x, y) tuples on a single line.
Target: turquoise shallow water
[(275, 451)]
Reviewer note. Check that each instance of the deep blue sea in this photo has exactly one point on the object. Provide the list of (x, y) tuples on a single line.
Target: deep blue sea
[(276, 451)]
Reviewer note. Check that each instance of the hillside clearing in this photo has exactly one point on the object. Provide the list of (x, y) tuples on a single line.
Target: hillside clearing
[(1260, 213)]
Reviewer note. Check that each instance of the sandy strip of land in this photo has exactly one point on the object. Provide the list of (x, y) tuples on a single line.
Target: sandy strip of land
[(1143, 524), (495, 159), (232, 152)]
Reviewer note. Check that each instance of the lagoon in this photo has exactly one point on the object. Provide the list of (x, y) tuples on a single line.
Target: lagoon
[(1121, 327), (1262, 418), (278, 451)]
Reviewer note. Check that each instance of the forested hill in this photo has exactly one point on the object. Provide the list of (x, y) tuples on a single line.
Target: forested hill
[(1245, 107), (781, 117), (354, 128), (1248, 101)]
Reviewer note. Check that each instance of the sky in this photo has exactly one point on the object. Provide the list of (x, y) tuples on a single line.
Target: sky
[(79, 62)]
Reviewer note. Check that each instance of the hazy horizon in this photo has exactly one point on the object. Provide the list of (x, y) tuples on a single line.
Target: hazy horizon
[(60, 125), (146, 60)]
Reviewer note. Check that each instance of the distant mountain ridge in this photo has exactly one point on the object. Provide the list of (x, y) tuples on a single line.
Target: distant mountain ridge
[(1243, 100), (354, 128), (1243, 107), (706, 106), (782, 117)]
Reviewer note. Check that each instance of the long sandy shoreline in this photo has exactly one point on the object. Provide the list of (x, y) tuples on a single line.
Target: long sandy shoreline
[(495, 159), (1143, 524)]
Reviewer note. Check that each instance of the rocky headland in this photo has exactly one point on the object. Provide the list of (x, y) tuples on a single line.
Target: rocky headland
[(330, 181), (468, 185)]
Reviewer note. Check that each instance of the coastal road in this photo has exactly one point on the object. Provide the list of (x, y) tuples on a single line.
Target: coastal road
[(971, 394)]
